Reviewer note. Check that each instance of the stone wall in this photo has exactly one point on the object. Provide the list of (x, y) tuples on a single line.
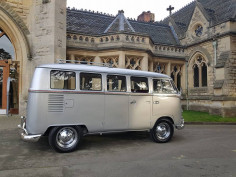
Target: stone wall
[(21, 7), (37, 30), (48, 31)]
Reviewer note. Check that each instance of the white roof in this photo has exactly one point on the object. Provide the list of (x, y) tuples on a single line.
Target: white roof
[(102, 69)]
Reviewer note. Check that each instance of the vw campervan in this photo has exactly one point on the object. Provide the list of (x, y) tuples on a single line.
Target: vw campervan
[(68, 101)]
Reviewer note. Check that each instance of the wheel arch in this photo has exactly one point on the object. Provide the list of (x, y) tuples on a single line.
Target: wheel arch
[(167, 118), (84, 128)]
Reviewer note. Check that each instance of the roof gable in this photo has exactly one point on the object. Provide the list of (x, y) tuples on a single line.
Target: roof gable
[(215, 11), (120, 23)]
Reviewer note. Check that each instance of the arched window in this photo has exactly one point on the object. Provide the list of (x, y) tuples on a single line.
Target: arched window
[(172, 76), (196, 75), (204, 75), (7, 51), (179, 81), (199, 70), (176, 74)]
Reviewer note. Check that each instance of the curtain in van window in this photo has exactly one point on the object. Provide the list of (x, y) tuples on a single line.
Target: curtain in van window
[(116, 83), (62, 80), (90, 81)]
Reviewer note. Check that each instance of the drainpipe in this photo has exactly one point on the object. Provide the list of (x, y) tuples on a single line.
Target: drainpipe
[(215, 43), (186, 83)]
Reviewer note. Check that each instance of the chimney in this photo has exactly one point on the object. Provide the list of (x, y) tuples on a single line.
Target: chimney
[(147, 17)]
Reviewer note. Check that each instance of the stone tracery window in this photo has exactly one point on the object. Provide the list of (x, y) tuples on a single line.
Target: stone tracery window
[(133, 62), (85, 59), (199, 72), (112, 60), (176, 75), (198, 30), (204, 75), (196, 75), (160, 68)]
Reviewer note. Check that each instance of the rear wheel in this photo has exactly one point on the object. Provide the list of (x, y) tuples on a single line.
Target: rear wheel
[(162, 131), (65, 139)]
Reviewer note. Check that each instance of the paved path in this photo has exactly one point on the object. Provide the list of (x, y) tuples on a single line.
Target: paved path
[(198, 150)]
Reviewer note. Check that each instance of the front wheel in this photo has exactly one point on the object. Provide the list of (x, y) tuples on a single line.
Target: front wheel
[(162, 131), (65, 139)]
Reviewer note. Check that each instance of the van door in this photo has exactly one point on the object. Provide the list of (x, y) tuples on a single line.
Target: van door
[(90, 104), (116, 103), (139, 104), (164, 99)]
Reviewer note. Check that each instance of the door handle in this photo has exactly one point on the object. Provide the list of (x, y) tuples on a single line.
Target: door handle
[(133, 102), (155, 102)]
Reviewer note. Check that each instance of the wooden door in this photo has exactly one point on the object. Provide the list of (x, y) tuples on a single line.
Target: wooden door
[(4, 74)]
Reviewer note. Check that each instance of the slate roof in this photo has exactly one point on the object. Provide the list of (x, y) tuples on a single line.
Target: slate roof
[(89, 23), (218, 12)]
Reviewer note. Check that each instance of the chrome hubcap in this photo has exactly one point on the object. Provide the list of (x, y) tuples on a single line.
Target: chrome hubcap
[(163, 131), (67, 137)]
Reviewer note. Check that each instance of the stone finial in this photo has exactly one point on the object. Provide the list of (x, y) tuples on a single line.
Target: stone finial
[(120, 12)]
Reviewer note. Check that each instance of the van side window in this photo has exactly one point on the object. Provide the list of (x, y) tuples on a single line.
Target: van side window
[(163, 86), (116, 83), (89, 81), (139, 85), (62, 80)]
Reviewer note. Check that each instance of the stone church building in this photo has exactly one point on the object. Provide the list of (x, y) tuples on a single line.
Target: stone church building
[(196, 46)]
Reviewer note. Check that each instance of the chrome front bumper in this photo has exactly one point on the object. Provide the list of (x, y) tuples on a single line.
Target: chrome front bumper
[(24, 134), (180, 126)]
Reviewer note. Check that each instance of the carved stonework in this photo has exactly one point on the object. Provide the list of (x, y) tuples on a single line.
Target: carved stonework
[(133, 62), (176, 74), (112, 60), (17, 12), (84, 59), (160, 67), (199, 60)]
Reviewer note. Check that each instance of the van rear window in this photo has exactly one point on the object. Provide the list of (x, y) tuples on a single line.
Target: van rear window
[(90, 81), (62, 80), (139, 85)]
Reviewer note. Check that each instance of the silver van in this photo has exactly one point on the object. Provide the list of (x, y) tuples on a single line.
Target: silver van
[(68, 101)]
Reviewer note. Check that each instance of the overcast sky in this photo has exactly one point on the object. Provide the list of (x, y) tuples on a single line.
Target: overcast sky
[(7, 46), (132, 8)]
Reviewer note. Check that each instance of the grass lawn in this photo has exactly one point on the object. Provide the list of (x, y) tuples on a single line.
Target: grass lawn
[(194, 116)]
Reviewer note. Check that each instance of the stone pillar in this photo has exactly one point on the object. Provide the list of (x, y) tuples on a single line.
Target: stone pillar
[(59, 29), (48, 26), (144, 63), (97, 60), (168, 70), (122, 59), (150, 61), (175, 76), (72, 58), (183, 78), (200, 75)]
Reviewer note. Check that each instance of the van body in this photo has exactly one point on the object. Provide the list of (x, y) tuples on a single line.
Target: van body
[(68, 101)]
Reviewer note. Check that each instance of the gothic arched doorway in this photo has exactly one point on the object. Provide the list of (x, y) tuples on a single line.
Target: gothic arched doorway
[(9, 99)]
